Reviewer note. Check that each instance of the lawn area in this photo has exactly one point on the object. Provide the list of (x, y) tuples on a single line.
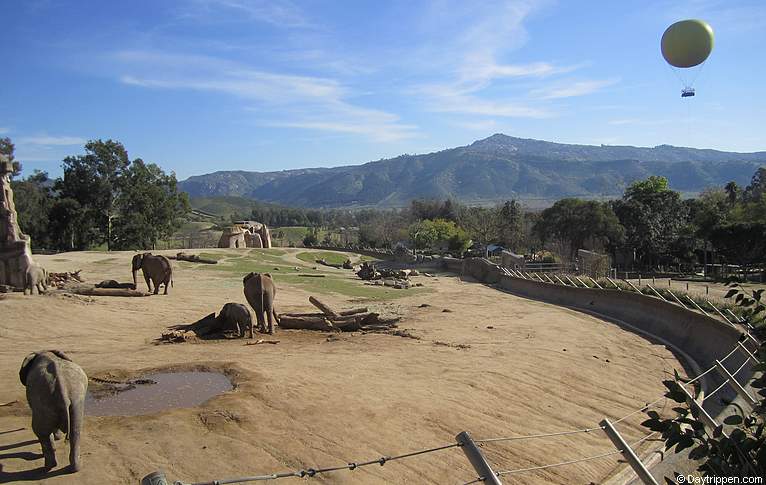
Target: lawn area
[(330, 257), (347, 287)]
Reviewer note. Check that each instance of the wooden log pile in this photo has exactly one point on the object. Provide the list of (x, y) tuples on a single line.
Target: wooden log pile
[(193, 258), (330, 320), (59, 280)]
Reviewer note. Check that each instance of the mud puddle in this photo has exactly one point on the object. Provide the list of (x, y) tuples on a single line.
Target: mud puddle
[(170, 390)]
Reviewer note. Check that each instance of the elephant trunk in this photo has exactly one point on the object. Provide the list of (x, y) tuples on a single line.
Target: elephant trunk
[(135, 280)]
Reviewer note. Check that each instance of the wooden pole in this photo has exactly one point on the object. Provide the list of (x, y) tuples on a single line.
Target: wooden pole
[(615, 284), (325, 309), (595, 283)]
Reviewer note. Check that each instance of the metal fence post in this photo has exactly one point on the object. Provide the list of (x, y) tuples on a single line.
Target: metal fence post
[(733, 383), (656, 292), (629, 455), (479, 463), (697, 306), (704, 416), (155, 478)]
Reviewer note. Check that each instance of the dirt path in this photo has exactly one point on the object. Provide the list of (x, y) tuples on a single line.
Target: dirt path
[(495, 364)]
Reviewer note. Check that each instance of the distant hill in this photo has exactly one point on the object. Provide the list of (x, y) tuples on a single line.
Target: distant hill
[(493, 169)]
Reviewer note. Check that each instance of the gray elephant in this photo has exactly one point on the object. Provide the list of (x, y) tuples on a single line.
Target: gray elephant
[(259, 292), (36, 277), (56, 389), (236, 316), (156, 269)]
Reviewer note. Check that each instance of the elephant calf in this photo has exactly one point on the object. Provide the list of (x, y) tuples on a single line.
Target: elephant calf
[(236, 316), (259, 292), (36, 277), (56, 389)]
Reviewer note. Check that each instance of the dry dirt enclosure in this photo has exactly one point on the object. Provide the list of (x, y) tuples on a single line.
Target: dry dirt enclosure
[(495, 365)]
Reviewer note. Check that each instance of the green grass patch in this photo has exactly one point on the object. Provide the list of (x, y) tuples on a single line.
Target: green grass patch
[(213, 256), (313, 256), (347, 287)]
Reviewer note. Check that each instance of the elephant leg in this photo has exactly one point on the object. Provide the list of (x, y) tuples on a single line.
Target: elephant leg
[(46, 443), (148, 286), (76, 411), (270, 317), (261, 321), (167, 283), (156, 286)]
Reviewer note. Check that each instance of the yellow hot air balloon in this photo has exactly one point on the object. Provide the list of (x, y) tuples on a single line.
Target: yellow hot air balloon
[(686, 44)]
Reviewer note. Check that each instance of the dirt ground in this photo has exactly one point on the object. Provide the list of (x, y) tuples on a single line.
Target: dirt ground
[(494, 365)]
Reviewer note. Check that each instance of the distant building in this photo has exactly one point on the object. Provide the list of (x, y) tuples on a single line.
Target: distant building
[(245, 234)]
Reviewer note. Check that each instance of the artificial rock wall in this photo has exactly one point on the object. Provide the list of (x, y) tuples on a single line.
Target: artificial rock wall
[(15, 252)]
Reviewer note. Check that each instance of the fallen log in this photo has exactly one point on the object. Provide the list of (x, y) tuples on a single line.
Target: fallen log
[(93, 291), (325, 263), (312, 275), (193, 258), (307, 323), (354, 311), (325, 309)]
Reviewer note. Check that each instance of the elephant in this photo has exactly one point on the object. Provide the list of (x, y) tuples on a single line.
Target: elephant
[(259, 292), (36, 277), (237, 316), (56, 389), (156, 269)]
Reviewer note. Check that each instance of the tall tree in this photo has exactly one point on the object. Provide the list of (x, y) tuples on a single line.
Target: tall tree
[(654, 217), (93, 181), (149, 206), (7, 148), (511, 225), (481, 224), (33, 204), (573, 222)]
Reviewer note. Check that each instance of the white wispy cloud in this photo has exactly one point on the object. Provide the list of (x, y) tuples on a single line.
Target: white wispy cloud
[(478, 106), (576, 88), (49, 140), (281, 13), (310, 102)]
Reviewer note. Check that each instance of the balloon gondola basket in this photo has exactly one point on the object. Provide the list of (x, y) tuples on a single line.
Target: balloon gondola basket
[(687, 92)]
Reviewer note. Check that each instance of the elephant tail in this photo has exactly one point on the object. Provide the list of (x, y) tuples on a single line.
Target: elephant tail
[(63, 401)]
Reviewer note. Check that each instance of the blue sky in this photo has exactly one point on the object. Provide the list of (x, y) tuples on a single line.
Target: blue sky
[(204, 85)]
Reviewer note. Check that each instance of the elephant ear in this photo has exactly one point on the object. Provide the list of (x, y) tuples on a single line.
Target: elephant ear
[(60, 355), (247, 277), (25, 367)]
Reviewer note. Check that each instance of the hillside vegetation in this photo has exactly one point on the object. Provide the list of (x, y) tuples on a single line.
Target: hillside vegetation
[(496, 168)]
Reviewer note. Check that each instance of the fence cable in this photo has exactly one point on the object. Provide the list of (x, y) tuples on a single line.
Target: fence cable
[(311, 472), (568, 462), (541, 435)]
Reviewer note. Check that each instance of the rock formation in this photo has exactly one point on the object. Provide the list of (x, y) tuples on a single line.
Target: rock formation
[(246, 234), (15, 252)]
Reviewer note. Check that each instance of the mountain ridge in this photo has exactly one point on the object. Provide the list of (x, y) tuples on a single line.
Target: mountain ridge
[(491, 169)]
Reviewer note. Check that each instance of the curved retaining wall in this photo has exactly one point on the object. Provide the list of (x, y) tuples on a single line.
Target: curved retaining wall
[(698, 337)]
